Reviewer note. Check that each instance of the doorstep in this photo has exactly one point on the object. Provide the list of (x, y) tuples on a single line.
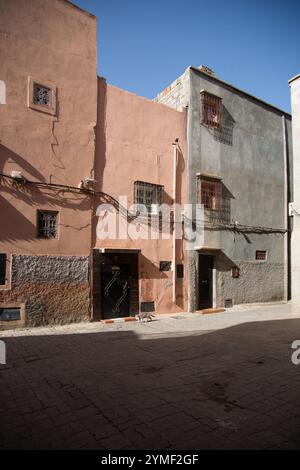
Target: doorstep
[(206, 311), (118, 320)]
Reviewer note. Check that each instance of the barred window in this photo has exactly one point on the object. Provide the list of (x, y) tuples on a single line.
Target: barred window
[(261, 255), (215, 199), (2, 269), (148, 194), (211, 110), (210, 193), (47, 224), (41, 95)]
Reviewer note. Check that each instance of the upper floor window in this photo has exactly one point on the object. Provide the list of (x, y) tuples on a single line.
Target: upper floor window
[(41, 96), (150, 195), (215, 198), (47, 224), (211, 110), (210, 193)]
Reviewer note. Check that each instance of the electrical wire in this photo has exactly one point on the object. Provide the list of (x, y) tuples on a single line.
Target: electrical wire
[(140, 217)]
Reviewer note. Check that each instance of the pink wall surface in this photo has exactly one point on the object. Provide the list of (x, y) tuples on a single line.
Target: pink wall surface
[(134, 143), (54, 42)]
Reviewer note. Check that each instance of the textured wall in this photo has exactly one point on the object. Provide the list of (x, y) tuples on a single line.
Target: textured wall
[(55, 289), (175, 95), (258, 282)]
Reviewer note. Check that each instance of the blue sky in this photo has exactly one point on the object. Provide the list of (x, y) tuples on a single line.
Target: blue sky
[(144, 45)]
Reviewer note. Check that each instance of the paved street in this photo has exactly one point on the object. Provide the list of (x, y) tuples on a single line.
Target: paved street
[(219, 381)]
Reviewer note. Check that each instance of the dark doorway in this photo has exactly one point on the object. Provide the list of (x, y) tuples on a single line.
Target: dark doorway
[(205, 290), (115, 290)]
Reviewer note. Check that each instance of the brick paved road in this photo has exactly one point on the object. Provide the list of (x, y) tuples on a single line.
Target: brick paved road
[(180, 382)]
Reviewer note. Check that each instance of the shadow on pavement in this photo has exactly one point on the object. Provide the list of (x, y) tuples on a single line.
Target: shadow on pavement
[(234, 388)]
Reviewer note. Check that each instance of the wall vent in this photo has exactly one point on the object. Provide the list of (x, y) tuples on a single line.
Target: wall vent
[(147, 307)]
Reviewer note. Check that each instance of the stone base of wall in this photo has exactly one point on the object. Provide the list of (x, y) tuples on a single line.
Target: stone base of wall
[(53, 289), (258, 282)]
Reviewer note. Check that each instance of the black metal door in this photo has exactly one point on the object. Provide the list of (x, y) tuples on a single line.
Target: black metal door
[(115, 291), (205, 281)]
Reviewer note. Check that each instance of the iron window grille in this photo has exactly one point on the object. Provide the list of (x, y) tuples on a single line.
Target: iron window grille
[(212, 110), (41, 95), (2, 269), (47, 224), (261, 255), (150, 195), (210, 193)]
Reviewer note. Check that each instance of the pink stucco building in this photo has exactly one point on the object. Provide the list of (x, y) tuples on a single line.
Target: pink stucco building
[(69, 142), (135, 154)]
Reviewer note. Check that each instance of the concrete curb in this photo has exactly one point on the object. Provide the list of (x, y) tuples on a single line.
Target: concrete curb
[(118, 320), (206, 311)]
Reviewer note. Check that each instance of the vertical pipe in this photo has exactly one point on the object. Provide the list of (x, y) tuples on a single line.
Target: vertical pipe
[(175, 157)]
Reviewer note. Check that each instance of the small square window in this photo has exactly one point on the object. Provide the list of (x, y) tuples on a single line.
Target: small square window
[(260, 255), (47, 224), (2, 269), (41, 95), (165, 265)]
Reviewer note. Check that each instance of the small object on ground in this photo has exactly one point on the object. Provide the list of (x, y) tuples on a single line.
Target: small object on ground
[(145, 316)]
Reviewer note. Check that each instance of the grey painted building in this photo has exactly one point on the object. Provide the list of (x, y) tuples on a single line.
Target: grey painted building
[(239, 166)]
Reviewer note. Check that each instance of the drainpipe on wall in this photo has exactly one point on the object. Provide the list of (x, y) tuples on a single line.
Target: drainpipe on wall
[(175, 161)]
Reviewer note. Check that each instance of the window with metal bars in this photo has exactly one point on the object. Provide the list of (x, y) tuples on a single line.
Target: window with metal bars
[(41, 95), (211, 110), (212, 195), (47, 224), (2, 269), (150, 195), (261, 255)]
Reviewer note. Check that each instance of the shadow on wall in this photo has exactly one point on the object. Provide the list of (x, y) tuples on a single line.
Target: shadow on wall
[(223, 263), (148, 270), (100, 152), (222, 214), (188, 377), (8, 156), (224, 134), (18, 227)]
